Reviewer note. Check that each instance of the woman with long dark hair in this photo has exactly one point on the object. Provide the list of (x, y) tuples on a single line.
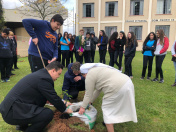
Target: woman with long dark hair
[(102, 44), (59, 47), (65, 41), (160, 53), (121, 41), (149, 47), (130, 51), (112, 47), (71, 46)]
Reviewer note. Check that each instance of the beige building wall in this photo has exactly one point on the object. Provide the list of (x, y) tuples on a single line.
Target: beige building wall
[(149, 20)]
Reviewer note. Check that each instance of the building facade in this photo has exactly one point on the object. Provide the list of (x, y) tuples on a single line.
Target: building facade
[(139, 16)]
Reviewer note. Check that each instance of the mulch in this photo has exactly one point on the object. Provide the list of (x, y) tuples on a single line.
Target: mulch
[(67, 125)]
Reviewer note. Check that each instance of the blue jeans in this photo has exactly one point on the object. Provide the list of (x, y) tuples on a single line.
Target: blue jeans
[(175, 69)]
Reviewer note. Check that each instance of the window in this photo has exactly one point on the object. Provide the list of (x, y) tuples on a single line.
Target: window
[(110, 30), (164, 6), (166, 29), (88, 29), (137, 31), (88, 10), (111, 9), (137, 7)]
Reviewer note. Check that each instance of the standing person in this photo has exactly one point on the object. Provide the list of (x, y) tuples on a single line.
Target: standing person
[(87, 48), (79, 44), (14, 59), (160, 53), (65, 41), (149, 47), (173, 51), (74, 50), (94, 42), (24, 104), (59, 47), (6, 55), (102, 44), (121, 41), (130, 51), (112, 47), (13, 39), (71, 47), (44, 35), (118, 103)]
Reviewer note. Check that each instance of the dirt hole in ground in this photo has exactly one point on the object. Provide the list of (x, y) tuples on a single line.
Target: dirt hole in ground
[(65, 123)]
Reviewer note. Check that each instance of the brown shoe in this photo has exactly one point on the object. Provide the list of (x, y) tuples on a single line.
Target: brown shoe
[(174, 84)]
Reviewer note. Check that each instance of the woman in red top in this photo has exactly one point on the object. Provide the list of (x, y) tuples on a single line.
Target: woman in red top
[(112, 48), (71, 46)]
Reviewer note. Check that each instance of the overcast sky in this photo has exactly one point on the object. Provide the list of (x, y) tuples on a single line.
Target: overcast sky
[(11, 4)]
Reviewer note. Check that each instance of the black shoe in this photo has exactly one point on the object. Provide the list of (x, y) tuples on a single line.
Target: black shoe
[(174, 84), (12, 74), (155, 80), (142, 78), (13, 69), (148, 78), (16, 68), (161, 80), (21, 128)]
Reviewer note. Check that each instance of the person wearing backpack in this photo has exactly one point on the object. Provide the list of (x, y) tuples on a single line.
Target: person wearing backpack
[(87, 48), (112, 47)]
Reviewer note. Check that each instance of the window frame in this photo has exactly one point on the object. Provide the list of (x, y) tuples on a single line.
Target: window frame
[(139, 39), (115, 14), (92, 14)]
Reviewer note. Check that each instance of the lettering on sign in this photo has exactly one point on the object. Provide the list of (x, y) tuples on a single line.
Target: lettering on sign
[(163, 20), (136, 20)]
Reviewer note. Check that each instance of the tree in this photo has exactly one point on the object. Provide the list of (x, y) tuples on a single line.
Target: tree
[(43, 9), (2, 22)]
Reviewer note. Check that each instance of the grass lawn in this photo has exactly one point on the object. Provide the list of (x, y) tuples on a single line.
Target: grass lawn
[(155, 103)]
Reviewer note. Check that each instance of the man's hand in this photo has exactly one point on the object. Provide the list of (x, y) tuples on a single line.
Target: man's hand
[(175, 55), (49, 61), (68, 104), (98, 44), (69, 111), (120, 37), (81, 111), (35, 41), (77, 78)]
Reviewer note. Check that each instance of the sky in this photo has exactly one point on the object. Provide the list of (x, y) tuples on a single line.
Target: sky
[(11, 4)]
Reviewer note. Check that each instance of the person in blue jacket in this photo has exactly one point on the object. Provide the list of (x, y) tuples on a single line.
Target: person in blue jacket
[(44, 35), (73, 82)]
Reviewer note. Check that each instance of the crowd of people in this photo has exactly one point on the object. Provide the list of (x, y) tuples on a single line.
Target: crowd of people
[(8, 54), (119, 45), (32, 92)]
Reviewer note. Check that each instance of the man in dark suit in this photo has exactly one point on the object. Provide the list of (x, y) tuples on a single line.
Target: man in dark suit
[(24, 104)]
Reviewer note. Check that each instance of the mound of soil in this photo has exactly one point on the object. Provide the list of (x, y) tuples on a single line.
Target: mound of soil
[(65, 123)]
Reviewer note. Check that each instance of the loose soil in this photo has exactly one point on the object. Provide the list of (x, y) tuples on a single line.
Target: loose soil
[(72, 124)]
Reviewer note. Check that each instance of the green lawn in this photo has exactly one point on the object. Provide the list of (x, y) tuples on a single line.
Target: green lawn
[(155, 103)]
